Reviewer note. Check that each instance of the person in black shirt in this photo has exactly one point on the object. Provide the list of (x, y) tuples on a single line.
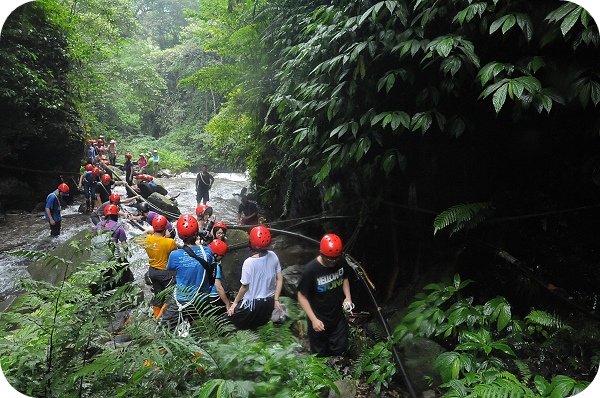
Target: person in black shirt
[(324, 294), (204, 182), (247, 212)]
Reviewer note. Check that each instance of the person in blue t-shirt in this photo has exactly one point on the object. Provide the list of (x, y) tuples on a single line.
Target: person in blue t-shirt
[(53, 208), (191, 279)]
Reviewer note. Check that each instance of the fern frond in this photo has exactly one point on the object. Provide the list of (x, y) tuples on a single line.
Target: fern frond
[(464, 216), (546, 319), (523, 370)]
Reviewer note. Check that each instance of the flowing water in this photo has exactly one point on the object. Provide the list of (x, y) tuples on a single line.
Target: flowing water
[(31, 231)]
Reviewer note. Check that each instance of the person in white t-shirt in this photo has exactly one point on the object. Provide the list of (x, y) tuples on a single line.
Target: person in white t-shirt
[(261, 280)]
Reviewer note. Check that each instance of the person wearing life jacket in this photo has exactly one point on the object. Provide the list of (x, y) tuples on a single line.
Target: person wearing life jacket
[(158, 247), (109, 244), (52, 210), (218, 296), (262, 282), (206, 220), (191, 277)]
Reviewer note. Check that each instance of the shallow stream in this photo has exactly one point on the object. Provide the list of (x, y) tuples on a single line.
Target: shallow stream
[(30, 231)]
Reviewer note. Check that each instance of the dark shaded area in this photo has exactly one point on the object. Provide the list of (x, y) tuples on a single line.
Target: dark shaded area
[(40, 129)]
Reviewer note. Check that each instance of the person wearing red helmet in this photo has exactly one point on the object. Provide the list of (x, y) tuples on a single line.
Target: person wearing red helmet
[(109, 245), (113, 199), (88, 181), (192, 265), (261, 280), (206, 220), (219, 231), (104, 189), (158, 247), (52, 210), (323, 293), (217, 296)]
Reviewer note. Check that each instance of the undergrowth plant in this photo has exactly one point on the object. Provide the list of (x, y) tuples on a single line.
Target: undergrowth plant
[(63, 341), (488, 350)]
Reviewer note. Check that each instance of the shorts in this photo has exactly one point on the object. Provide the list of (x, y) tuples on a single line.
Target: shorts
[(202, 193)]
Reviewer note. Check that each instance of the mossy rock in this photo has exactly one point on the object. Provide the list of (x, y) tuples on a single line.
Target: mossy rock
[(55, 273)]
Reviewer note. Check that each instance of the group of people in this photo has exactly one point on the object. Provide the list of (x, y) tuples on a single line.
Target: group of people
[(194, 267), (149, 163)]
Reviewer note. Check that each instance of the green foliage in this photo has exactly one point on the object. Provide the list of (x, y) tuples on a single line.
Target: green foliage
[(489, 350), (465, 216), (61, 341)]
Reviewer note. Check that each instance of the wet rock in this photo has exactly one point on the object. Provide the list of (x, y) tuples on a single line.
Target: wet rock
[(164, 204), (347, 389), (55, 272), (419, 357)]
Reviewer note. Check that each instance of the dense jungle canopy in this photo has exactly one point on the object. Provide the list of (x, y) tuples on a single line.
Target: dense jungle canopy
[(433, 135), (394, 110)]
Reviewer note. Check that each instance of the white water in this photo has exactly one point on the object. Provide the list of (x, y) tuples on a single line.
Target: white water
[(31, 231)]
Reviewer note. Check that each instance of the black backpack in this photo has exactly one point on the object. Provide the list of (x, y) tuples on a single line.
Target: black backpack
[(211, 269)]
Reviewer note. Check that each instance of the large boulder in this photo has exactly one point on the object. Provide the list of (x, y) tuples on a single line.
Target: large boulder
[(55, 272), (161, 204)]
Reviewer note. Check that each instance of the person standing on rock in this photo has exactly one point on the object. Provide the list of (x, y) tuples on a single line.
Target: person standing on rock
[(324, 294), (52, 210), (204, 182)]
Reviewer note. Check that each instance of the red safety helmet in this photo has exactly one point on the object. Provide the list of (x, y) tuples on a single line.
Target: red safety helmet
[(218, 247), (95, 171), (260, 237), (200, 209), (140, 177), (106, 178), (331, 245), (220, 224), (100, 141), (64, 188), (159, 223), (111, 210), (89, 167), (149, 178), (115, 198), (128, 155), (106, 162), (187, 226)]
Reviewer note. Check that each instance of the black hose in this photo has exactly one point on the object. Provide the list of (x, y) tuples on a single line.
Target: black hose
[(357, 269)]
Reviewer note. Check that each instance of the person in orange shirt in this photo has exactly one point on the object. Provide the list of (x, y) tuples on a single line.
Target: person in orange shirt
[(158, 247)]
